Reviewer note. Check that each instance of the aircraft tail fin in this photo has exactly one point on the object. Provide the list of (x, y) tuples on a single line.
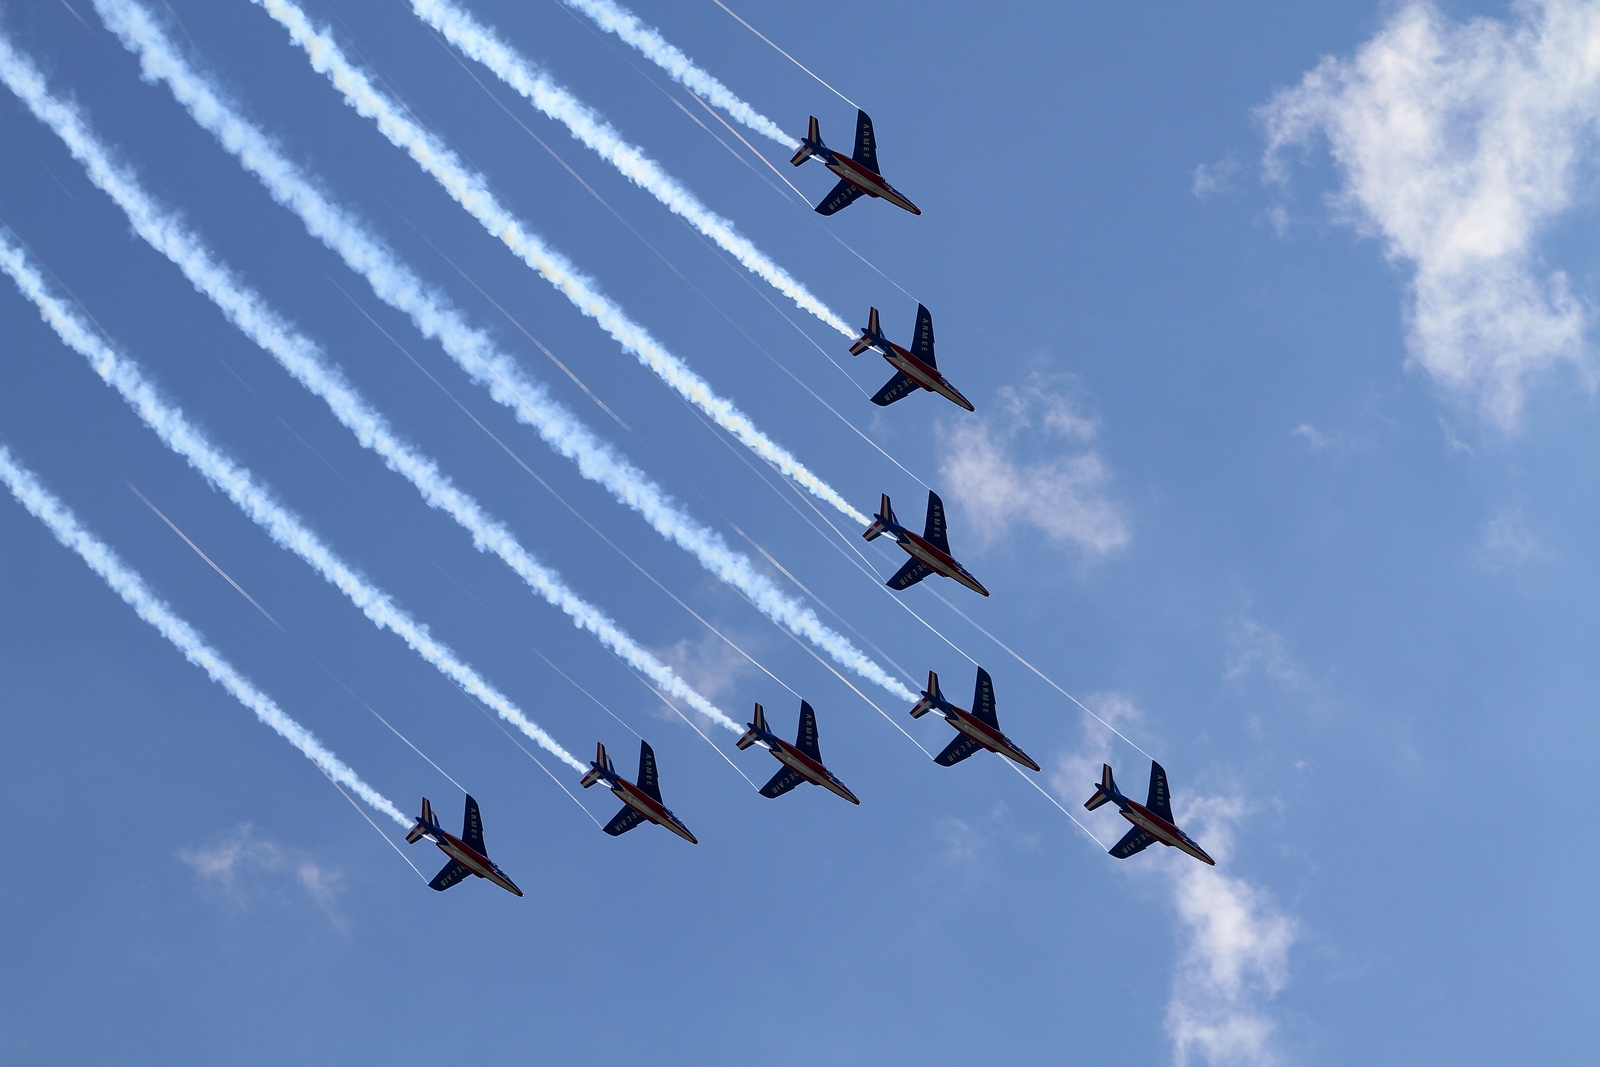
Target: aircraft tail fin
[(873, 331), (879, 526), (602, 762), (930, 698), (759, 726), (424, 820), (1108, 786), (813, 136)]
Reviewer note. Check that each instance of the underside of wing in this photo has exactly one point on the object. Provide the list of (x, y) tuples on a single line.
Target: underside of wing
[(1135, 840), (782, 782), (922, 340), (844, 194), (935, 529), (625, 820), (899, 387), (649, 782), (866, 152), (956, 751), (1160, 800), (453, 872), (983, 700), (472, 828), (806, 739), (913, 572)]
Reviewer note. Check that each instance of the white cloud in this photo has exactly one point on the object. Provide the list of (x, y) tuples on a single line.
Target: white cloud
[(709, 664), (1258, 649), (245, 866), (1234, 952), (1064, 495), (1317, 439), (1213, 178), (1508, 544), (1459, 144)]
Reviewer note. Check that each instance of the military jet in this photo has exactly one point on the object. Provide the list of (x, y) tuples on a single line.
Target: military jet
[(640, 800), (916, 367), (802, 761), (978, 728), (467, 853), (930, 553), (857, 175), (1152, 820)]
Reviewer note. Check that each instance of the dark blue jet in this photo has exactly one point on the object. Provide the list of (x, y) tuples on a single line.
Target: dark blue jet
[(930, 553), (1152, 820), (641, 800), (857, 175), (802, 761), (916, 368), (978, 728), (467, 852)]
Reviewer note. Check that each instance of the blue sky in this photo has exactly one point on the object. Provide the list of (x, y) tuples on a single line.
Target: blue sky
[(1279, 326)]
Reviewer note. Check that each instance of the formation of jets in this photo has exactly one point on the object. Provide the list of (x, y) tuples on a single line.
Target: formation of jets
[(977, 728)]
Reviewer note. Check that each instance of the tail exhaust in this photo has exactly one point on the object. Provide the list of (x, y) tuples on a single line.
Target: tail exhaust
[(752, 735), (813, 137), (602, 763), (1106, 789), (868, 336), (930, 698), (879, 526)]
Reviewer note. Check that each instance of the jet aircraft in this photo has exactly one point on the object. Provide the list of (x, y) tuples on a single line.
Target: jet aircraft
[(857, 175), (802, 761), (641, 800), (916, 367), (467, 853), (1152, 820), (978, 728), (930, 553)]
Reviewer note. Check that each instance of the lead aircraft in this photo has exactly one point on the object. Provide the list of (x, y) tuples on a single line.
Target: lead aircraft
[(467, 852), (916, 367), (857, 175), (978, 728), (930, 553), (802, 761), (641, 800), (1152, 820)]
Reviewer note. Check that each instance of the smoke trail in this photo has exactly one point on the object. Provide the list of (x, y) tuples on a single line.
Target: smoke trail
[(473, 350), (481, 43), (254, 499), (649, 43), (301, 357), (471, 191), (127, 584)]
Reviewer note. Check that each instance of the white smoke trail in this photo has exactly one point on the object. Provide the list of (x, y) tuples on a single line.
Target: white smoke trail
[(483, 44), (127, 584), (647, 40), (473, 350), (471, 190), (255, 500), (304, 361)]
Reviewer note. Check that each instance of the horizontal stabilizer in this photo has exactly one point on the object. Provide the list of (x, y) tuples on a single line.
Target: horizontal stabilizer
[(1108, 787), (843, 195), (1135, 840), (782, 782), (453, 872), (623, 821), (956, 751), (899, 387), (913, 572)]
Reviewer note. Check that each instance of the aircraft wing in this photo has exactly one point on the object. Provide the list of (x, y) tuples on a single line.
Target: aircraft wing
[(899, 387), (625, 820), (472, 827), (983, 700), (922, 340), (913, 572), (782, 782), (866, 152), (648, 782), (1135, 840), (1160, 800), (453, 872), (956, 751), (807, 740), (844, 194), (937, 533)]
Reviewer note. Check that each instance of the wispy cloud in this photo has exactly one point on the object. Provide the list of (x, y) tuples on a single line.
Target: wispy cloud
[(1257, 649), (1458, 144), (1508, 543), (1063, 492), (244, 867), (1233, 956), (1213, 178)]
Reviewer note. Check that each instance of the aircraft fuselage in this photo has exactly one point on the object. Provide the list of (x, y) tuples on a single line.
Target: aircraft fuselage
[(1159, 828), (921, 373), (919, 547), (649, 807), (471, 859), (806, 767), (867, 181), (986, 735)]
